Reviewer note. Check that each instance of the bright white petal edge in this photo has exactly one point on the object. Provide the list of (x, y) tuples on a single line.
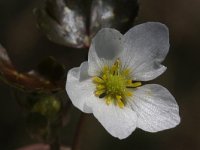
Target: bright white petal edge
[(146, 46), (80, 88), (155, 107), (118, 122)]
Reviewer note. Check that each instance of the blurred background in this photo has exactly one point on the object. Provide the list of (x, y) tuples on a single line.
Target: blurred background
[(27, 46)]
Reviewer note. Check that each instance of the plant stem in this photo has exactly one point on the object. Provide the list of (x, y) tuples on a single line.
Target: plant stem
[(77, 137)]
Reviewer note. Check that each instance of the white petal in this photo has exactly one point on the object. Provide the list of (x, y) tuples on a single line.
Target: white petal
[(146, 46), (119, 122), (80, 88), (156, 108), (105, 47)]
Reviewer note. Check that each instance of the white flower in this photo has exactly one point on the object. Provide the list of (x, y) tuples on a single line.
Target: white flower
[(108, 84)]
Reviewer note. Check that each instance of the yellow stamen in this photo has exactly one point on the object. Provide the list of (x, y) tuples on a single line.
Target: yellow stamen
[(104, 77), (113, 84), (118, 97), (126, 72), (108, 100), (135, 84), (128, 93), (99, 92), (129, 82), (115, 68), (119, 101), (100, 87), (105, 69), (97, 80)]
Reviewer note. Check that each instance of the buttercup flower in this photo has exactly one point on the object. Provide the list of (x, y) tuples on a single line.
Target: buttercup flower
[(109, 83)]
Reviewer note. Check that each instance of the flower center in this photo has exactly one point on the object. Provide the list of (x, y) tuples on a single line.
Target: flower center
[(114, 84)]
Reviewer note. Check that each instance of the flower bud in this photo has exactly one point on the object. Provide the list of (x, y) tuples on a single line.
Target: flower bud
[(48, 106), (62, 24)]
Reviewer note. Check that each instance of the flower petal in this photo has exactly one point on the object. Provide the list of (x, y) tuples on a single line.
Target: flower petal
[(80, 88), (105, 47), (146, 46), (156, 108), (119, 122)]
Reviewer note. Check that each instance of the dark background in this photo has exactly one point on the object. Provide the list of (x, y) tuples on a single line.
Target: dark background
[(27, 47)]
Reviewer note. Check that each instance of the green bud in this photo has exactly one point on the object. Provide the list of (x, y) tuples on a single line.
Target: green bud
[(48, 106)]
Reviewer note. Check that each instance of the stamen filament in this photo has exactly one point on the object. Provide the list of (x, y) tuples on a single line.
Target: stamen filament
[(128, 93), (105, 69), (113, 83), (100, 87), (119, 101), (104, 77), (99, 92), (97, 80), (108, 100), (134, 85)]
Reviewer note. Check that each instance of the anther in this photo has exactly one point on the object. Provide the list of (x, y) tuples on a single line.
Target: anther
[(112, 84), (108, 100), (99, 92), (100, 87), (97, 80), (133, 84), (128, 93)]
